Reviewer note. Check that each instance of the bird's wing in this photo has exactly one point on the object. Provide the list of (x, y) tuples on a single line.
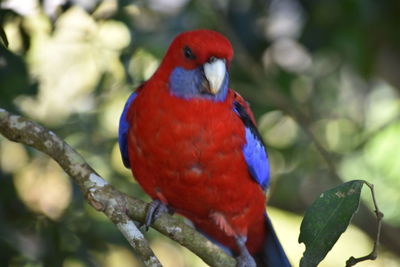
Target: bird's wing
[(254, 150), (123, 130)]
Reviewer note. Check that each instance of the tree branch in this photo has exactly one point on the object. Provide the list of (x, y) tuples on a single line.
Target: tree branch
[(118, 207)]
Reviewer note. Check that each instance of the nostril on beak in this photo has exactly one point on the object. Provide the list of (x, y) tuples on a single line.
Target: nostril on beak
[(212, 59)]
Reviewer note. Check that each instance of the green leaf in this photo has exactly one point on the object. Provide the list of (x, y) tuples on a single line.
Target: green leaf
[(326, 219)]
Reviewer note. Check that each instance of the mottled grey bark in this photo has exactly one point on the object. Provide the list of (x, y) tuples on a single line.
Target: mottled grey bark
[(118, 207)]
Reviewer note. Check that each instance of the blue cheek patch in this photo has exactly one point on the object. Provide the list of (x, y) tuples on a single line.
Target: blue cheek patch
[(123, 131), (188, 83)]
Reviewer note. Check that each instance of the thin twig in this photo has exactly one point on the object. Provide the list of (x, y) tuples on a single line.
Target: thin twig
[(379, 216), (105, 198)]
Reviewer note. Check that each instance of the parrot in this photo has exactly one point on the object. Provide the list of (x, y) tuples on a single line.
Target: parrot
[(192, 144)]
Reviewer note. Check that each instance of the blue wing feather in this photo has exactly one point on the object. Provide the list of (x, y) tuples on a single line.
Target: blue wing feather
[(123, 131), (254, 150)]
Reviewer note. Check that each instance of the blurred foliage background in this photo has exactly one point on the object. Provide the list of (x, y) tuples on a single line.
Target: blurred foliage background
[(322, 78)]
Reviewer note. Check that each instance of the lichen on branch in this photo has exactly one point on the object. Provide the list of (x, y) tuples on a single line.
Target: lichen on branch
[(118, 207)]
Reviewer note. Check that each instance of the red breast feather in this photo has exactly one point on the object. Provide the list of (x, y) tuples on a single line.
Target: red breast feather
[(189, 154)]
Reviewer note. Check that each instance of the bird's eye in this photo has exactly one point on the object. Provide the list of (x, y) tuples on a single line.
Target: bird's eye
[(188, 53)]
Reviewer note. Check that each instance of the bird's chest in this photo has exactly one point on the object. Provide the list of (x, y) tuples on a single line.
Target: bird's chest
[(184, 138), (182, 151)]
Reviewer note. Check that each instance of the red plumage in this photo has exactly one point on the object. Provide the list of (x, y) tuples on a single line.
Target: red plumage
[(188, 153)]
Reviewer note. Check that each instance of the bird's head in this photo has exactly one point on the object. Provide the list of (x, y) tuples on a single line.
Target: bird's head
[(196, 65)]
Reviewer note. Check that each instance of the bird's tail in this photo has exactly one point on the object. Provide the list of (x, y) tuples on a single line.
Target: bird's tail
[(272, 254)]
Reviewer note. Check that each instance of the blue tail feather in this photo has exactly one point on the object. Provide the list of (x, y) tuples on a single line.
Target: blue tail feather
[(273, 254)]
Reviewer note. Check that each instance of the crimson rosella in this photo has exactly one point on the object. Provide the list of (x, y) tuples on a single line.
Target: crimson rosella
[(193, 146)]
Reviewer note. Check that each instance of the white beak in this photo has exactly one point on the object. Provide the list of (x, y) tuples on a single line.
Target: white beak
[(215, 71)]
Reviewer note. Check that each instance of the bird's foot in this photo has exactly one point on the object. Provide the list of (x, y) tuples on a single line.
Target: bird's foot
[(244, 259), (154, 210)]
